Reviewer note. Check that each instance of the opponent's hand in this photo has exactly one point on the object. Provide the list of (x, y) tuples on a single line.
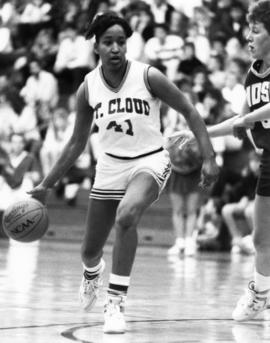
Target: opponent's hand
[(209, 172), (40, 193)]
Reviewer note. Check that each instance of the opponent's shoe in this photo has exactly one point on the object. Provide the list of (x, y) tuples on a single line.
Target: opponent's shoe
[(114, 320), (89, 289), (251, 304)]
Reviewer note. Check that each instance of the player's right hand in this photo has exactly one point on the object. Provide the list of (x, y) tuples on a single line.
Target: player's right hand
[(40, 193), (181, 138)]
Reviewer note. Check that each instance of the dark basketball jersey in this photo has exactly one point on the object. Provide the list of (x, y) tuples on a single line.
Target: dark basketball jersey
[(257, 90)]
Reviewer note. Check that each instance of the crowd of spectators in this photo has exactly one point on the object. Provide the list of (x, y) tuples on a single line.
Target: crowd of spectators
[(199, 44)]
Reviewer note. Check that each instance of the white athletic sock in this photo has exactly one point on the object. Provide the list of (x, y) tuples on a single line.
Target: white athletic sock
[(93, 270), (118, 284), (180, 242), (262, 283)]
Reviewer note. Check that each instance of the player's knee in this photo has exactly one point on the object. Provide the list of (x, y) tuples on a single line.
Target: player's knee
[(127, 217)]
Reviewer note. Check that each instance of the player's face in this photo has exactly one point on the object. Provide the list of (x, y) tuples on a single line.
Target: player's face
[(112, 47), (258, 41)]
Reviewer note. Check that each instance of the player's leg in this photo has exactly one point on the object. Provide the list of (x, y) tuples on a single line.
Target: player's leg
[(256, 298), (262, 240), (228, 213), (141, 192), (247, 244), (146, 179), (192, 204), (178, 221), (99, 221)]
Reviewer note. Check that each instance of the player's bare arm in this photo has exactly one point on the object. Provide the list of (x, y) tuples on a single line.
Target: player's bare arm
[(73, 148), (167, 92), (171, 95)]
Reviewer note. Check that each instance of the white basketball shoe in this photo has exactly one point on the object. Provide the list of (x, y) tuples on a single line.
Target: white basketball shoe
[(251, 304), (114, 320), (89, 289), (177, 248)]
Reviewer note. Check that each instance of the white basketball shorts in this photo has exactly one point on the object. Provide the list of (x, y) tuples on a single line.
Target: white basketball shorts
[(113, 175)]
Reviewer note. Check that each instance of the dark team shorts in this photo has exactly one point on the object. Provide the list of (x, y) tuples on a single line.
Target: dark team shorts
[(185, 184), (263, 184)]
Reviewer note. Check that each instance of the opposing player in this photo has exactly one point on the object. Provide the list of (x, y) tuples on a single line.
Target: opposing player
[(123, 99), (257, 124)]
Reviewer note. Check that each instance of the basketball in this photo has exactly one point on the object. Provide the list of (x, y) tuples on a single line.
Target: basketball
[(185, 154), (26, 220)]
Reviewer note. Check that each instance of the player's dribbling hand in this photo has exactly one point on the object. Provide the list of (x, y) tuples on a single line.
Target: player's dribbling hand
[(209, 172), (40, 193)]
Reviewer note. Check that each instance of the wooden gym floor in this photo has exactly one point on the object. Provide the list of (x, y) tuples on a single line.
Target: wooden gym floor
[(170, 300)]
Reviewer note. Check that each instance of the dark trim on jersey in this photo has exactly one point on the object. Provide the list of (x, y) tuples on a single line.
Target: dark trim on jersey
[(254, 70), (86, 91), (146, 81), (134, 157), (113, 89), (107, 194)]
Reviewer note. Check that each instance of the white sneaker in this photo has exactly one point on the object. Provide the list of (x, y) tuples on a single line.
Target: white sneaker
[(190, 246), (250, 304), (114, 320), (174, 250), (89, 289), (177, 248), (247, 246)]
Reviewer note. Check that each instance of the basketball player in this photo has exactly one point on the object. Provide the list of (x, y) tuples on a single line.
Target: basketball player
[(257, 124), (122, 98)]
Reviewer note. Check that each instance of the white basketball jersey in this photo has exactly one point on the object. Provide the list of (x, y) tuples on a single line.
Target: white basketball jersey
[(128, 117)]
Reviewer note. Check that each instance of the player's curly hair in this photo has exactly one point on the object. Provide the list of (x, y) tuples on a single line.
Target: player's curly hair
[(105, 20), (260, 11)]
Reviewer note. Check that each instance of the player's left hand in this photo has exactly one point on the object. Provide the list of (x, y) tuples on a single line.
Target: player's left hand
[(209, 172)]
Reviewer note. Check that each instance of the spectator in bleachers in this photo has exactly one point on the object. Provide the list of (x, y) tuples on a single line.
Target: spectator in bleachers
[(45, 48), (8, 116), (241, 205), (163, 50), (41, 86), (218, 45), (200, 41), (35, 11), (162, 11), (8, 12), (18, 173), (140, 16), (6, 45), (74, 59), (201, 82), (234, 92), (211, 107), (215, 68), (188, 63), (186, 7), (35, 15), (57, 135), (178, 24)]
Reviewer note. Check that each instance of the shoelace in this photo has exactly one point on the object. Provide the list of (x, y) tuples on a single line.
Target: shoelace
[(112, 307), (256, 299), (91, 284)]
